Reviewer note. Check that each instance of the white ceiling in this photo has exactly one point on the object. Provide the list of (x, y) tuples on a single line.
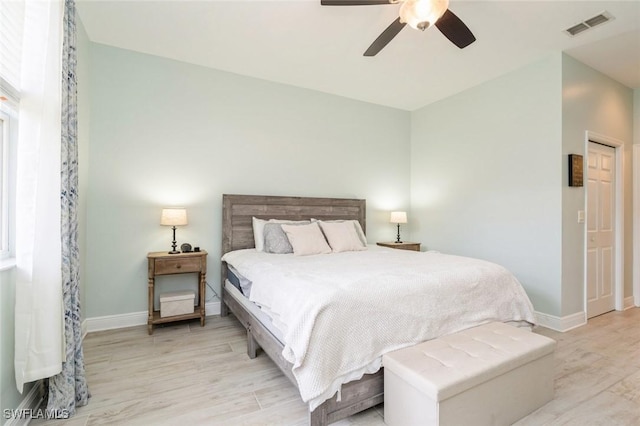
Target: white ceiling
[(302, 43)]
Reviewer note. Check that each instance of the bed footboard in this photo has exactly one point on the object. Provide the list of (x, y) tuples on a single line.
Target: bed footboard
[(356, 396), (237, 213)]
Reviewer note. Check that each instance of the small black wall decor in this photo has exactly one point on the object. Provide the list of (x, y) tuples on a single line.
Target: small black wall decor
[(575, 170)]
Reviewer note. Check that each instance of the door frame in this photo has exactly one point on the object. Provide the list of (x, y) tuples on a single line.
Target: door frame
[(618, 145), (636, 223)]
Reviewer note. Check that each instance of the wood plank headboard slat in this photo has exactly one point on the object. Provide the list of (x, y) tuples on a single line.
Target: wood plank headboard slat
[(238, 211)]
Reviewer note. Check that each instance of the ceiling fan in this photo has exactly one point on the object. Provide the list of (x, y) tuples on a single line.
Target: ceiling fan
[(419, 14)]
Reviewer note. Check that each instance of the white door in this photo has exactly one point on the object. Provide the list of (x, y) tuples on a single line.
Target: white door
[(600, 229)]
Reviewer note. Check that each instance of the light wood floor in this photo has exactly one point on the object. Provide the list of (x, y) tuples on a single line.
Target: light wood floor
[(189, 375)]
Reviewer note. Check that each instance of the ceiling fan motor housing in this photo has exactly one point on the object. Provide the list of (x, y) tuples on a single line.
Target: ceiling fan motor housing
[(423, 25), (421, 14)]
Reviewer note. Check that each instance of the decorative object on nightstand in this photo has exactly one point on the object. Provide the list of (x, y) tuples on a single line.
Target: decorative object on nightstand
[(402, 245), (173, 217), (398, 218), (179, 304)]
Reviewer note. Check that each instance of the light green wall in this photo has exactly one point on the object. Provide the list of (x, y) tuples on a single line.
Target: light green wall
[(489, 174), (169, 133), (485, 176), (591, 101), (84, 122)]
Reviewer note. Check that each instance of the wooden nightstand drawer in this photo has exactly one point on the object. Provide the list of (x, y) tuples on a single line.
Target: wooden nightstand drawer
[(177, 266)]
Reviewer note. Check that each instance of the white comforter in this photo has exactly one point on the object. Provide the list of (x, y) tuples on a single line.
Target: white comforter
[(340, 312)]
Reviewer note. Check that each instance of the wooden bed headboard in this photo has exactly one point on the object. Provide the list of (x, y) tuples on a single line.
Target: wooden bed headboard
[(237, 211)]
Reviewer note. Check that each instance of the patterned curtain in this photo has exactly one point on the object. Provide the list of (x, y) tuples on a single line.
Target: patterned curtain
[(68, 389)]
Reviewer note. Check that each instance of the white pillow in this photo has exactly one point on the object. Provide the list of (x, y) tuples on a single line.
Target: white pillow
[(258, 232), (356, 225), (342, 236), (258, 229), (306, 239)]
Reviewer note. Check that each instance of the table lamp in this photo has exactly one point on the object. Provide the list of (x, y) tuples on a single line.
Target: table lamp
[(174, 217), (398, 218)]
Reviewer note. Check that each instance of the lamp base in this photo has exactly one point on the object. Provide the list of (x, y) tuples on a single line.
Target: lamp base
[(174, 244), (398, 239)]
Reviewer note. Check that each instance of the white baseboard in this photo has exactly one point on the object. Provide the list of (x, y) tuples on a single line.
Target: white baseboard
[(629, 302), (29, 406), (84, 326), (572, 321), (212, 308), (561, 324), (110, 322)]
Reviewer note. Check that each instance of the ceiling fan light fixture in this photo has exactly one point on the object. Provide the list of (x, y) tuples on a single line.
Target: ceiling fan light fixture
[(421, 14)]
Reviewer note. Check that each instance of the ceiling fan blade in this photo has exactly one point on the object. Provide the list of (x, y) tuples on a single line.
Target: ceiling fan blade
[(352, 2), (455, 30), (384, 38)]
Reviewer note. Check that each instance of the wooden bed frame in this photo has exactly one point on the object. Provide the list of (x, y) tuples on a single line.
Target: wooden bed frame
[(237, 233)]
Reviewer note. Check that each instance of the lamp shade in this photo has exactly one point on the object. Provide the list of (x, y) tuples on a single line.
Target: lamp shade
[(174, 217), (398, 217)]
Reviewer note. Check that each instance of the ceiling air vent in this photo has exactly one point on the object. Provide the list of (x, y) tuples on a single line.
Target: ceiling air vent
[(587, 24)]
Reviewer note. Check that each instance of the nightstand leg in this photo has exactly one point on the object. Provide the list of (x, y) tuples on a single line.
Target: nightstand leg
[(150, 302)]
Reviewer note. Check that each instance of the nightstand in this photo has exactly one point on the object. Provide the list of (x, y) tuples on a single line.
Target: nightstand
[(402, 246), (163, 263)]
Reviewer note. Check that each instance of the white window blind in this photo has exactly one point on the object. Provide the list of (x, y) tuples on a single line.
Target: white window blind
[(4, 184), (12, 14), (12, 22)]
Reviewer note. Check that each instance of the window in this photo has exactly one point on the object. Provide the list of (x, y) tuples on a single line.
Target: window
[(12, 16), (4, 187), (8, 134)]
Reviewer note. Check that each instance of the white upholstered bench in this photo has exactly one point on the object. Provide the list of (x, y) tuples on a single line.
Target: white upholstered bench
[(493, 374)]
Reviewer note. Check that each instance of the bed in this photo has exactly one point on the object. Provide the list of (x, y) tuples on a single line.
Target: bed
[(358, 388)]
